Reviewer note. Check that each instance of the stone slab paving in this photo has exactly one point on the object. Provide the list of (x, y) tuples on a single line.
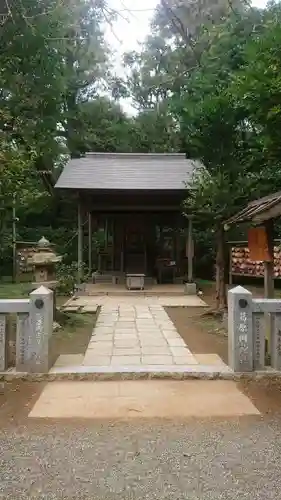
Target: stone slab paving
[(138, 300), (138, 336), (142, 399)]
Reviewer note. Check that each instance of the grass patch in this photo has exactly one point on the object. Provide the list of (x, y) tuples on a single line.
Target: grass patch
[(14, 290), (22, 291), (74, 336), (205, 282)]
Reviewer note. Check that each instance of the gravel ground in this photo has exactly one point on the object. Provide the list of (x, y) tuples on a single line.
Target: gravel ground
[(194, 460), (79, 460)]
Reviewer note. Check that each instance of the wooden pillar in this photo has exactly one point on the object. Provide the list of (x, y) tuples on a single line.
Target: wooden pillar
[(269, 284), (90, 242), (190, 250), (230, 265), (269, 266), (122, 245), (14, 240), (268, 280), (80, 243)]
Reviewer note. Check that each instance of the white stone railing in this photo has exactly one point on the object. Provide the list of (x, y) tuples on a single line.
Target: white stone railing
[(248, 320), (34, 330)]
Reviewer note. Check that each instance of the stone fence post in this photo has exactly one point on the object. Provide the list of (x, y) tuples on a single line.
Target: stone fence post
[(40, 330), (240, 330)]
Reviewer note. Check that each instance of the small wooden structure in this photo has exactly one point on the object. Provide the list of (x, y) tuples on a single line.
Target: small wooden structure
[(262, 213), (130, 212), (22, 265), (241, 263)]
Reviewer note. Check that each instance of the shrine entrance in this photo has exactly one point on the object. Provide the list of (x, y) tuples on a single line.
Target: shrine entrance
[(130, 209), (135, 246), (152, 244)]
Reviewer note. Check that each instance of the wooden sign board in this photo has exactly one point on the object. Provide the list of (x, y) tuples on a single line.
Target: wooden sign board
[(24, 255), (258, 245)]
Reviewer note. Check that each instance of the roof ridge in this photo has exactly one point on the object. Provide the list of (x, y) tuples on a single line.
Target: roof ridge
[(135, 155)]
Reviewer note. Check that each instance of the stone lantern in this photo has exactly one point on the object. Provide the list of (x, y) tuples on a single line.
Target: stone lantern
[(44, 261)]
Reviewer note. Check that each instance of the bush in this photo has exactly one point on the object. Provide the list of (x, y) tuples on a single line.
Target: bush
[(67, 276)]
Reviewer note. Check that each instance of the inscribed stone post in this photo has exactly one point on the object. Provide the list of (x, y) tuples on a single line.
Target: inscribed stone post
[(3, 350), (276, 342), (22, 343), (41, 329), (259, 340), (240, 330)]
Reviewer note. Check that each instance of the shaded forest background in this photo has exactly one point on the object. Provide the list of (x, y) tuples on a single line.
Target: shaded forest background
[(206, 82)]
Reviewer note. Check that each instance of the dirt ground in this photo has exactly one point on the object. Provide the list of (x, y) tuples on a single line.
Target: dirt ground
[(73, 337), (18, 398), (202, 333)]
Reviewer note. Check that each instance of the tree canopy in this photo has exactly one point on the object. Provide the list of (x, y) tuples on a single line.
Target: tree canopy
[(206, 82)]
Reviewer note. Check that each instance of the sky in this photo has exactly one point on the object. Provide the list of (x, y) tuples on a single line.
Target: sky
[(132, 26), (128, 31), (132, 23)]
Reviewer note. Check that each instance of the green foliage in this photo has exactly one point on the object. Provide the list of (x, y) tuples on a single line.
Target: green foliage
[(66, 59), (31, 87), (258, 87), (215, 125), (106, 127), (206, 82), (156, 131), (53, 56), (216, 128), (67, 275)]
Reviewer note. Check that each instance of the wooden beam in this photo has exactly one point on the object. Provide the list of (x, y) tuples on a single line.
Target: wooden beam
[(134, 208), (269, 266), (190, 250), (80, 243)]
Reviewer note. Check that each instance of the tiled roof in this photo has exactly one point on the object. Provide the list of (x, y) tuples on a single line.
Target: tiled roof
[(128, 171), (256, 208)]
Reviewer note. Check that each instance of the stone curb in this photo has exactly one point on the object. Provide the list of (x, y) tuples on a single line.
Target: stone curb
[(95, 376)]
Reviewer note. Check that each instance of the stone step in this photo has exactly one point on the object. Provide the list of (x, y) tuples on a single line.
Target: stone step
[(142, 399), (140, 293), (104, 279)]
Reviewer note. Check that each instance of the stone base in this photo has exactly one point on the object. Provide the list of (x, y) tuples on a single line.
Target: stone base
[(100, 373), (190, 288)]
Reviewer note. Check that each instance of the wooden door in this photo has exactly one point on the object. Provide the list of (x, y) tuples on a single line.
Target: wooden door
[(135, 246)]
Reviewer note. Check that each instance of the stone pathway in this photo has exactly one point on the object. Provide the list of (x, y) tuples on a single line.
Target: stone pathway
[(137, 336), (109, 301)]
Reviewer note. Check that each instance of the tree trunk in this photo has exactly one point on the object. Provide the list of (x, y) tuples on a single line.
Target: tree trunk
[(221, 301)]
